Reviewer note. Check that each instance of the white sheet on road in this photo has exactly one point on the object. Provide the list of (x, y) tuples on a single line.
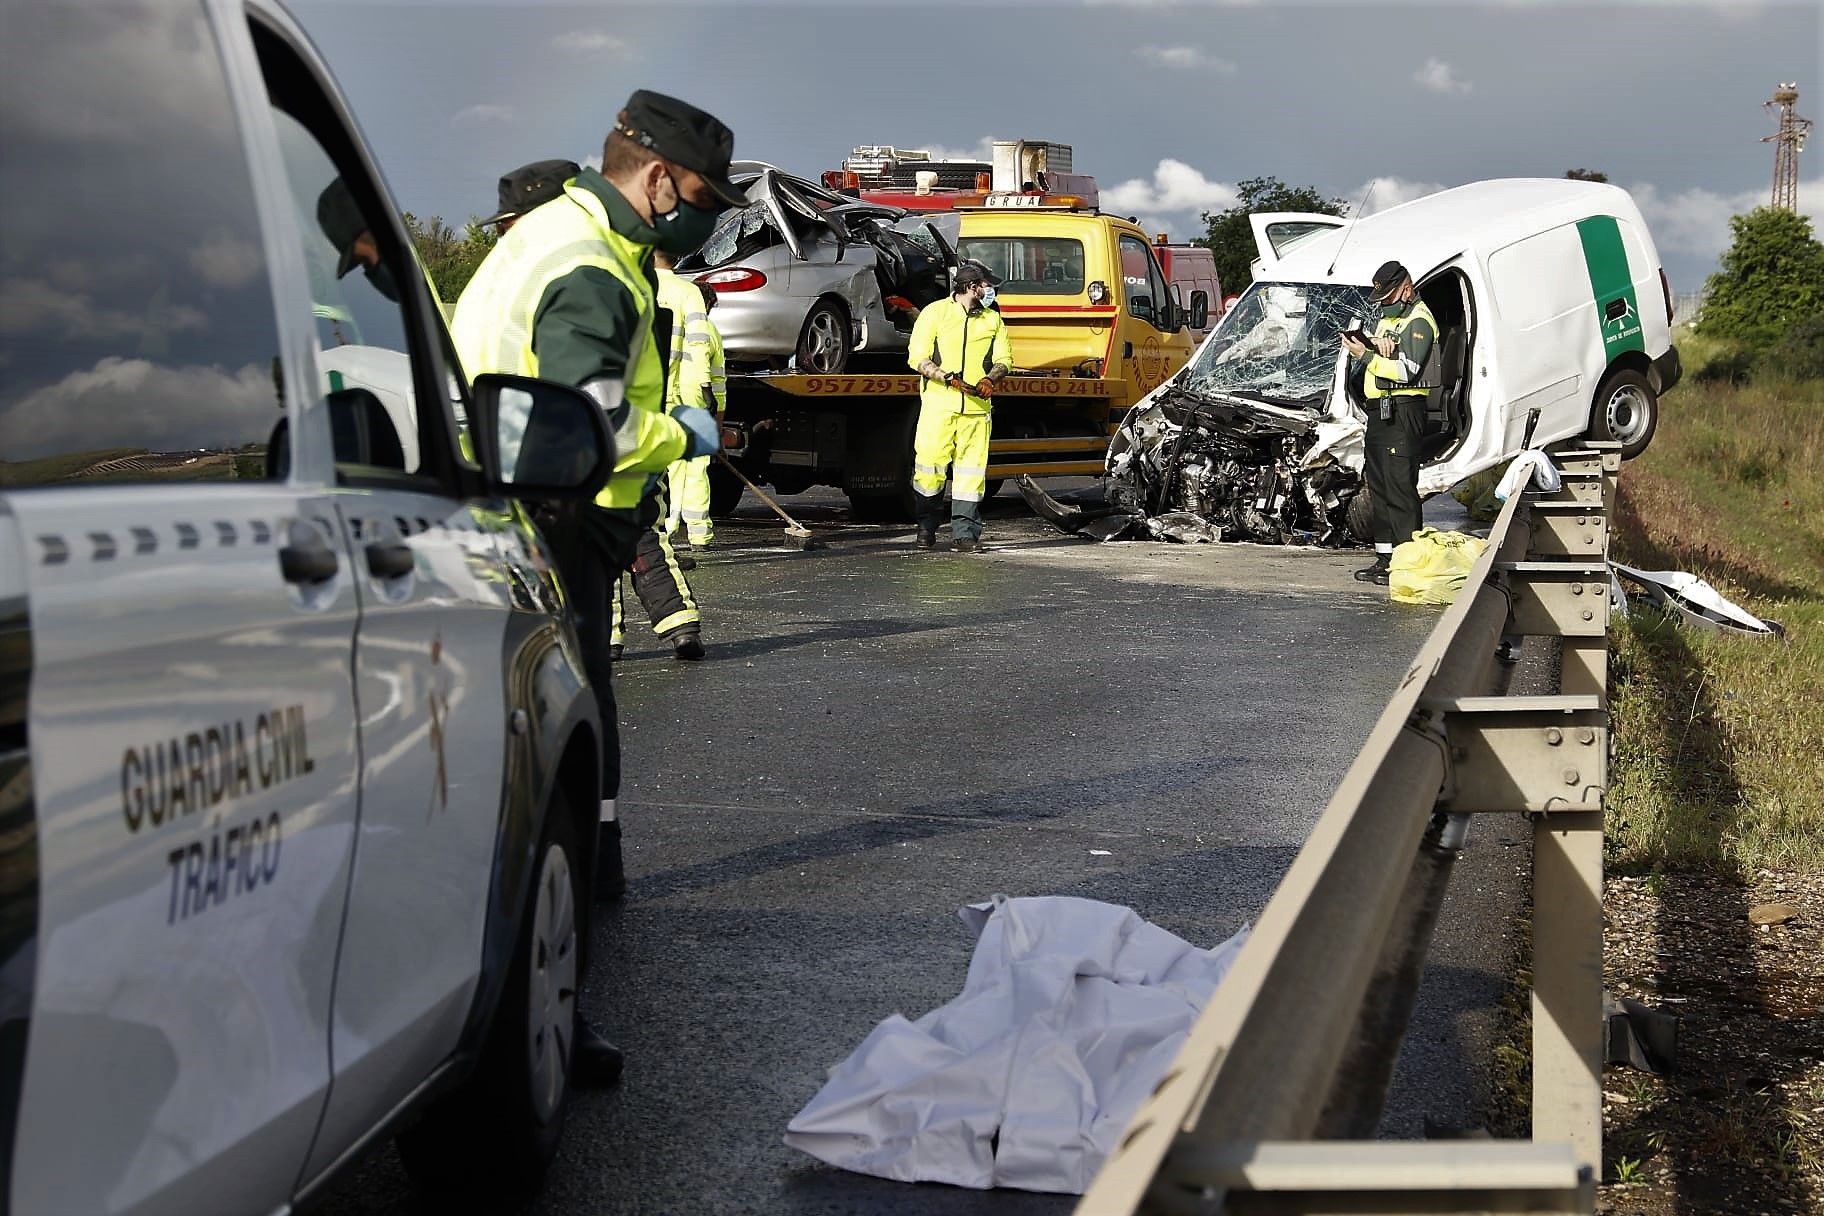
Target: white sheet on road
[(1071, 1011)]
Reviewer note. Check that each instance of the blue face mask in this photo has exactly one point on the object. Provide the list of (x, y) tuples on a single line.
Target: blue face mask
[(988, 296)]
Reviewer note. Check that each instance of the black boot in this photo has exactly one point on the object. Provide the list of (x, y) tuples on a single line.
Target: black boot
[(595, 1063), (1377, 573), (610, 874), (687, 645), (927, 538)]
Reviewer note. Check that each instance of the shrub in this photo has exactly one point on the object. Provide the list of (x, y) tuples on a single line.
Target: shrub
[(1797, 356)]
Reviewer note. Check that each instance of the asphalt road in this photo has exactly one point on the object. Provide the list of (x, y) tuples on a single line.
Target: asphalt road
[(879, 736)]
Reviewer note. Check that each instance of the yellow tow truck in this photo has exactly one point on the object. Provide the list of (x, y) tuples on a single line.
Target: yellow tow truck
[(1094, 326)]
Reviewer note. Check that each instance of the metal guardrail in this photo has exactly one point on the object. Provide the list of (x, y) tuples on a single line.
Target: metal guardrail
[(1234, 1125)]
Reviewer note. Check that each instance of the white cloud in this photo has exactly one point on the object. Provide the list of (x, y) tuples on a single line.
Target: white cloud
[(226, 261), (982, 151), (481, 114), (174, 407), (1388, 192), (1696, 221), (1185, 58), (1440, 77), (592, 42), (1174, 187)]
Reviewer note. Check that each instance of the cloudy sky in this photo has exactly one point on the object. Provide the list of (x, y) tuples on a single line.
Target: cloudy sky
[(1167, 102)]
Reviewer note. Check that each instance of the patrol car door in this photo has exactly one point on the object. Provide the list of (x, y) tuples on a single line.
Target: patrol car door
[(435, 602), (182, 610)]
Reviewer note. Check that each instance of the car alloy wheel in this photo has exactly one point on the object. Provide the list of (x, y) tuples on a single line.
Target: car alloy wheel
[(824, 346), (551, 983)]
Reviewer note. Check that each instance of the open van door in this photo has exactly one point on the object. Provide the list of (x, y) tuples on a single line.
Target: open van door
[(1277, 233)]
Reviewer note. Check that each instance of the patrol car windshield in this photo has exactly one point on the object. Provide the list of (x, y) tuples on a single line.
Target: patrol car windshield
[(1030, 265), (1279, 341)]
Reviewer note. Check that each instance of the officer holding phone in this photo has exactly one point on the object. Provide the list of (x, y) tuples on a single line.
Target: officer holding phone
[(1399, 368)]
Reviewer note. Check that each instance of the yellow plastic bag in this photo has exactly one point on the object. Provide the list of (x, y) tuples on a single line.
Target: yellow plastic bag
[(1430, 568)]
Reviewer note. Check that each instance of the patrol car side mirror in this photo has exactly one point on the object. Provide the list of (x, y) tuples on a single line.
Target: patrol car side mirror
[(1200, 309), (537, 439)]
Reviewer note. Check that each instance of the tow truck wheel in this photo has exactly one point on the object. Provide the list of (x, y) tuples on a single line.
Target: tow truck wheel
[(725, 491), (825, 344), (497, 1134)]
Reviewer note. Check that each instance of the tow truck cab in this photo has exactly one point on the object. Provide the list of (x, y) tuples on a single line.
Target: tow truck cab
[(1094, 325)]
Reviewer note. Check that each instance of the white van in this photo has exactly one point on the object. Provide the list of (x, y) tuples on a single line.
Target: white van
[(1554, 320), (299, 763)]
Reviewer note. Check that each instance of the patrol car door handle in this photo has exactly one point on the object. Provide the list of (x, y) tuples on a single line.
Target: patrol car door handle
[(392, 559), (307, 564)]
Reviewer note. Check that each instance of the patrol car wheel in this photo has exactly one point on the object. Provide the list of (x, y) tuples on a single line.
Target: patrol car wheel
[(497, 1134), (1626, 411), (825, 344)]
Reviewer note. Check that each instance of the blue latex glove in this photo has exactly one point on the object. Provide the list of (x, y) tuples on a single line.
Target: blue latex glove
[(705, 431)]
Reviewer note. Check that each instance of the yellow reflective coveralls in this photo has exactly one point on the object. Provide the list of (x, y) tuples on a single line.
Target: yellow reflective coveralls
[(954, 426), (698, 377)]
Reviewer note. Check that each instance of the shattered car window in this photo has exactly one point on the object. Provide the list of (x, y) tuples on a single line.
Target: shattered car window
[(1279, 341), (734, 236), (1029, 265)]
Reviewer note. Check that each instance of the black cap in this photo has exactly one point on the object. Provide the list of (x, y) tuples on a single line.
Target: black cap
[(685, 136), (341, 221), (529, 185), (969, 271), (1387, 280)]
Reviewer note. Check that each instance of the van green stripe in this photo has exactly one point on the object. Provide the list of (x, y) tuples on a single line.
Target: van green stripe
[(1606, 257)]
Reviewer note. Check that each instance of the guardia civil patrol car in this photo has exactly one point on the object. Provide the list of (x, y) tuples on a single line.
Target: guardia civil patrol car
[(299, 769)]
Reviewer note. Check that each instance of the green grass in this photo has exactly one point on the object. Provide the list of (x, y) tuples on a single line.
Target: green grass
[(1717, 760)]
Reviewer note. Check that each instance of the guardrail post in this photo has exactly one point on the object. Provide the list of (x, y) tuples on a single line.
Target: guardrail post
[(1567, 982), (1567, 847)]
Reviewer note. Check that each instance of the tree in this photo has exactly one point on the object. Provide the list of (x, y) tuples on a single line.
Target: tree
[(1772, 277), (1231, 237), (449, 257), (1586, 175)]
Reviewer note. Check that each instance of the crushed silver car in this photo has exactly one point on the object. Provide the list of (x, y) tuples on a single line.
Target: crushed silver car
[(804, 273), (1255, 440)]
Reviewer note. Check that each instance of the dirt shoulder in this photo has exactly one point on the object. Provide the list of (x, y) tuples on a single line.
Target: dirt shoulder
[(1738, 1129)]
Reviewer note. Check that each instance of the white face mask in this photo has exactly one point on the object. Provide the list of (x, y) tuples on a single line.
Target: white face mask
[(988, 295)]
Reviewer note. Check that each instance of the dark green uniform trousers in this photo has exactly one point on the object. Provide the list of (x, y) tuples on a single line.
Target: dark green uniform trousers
[(1391, 460)]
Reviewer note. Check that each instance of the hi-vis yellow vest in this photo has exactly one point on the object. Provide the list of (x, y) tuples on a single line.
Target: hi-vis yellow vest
[(1379, 368), (693, 378), (494, 318)]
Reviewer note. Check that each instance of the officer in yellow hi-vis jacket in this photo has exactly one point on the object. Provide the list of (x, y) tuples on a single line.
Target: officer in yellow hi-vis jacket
[(569, 295), (1399, 369), (700, 378), (959, 346)]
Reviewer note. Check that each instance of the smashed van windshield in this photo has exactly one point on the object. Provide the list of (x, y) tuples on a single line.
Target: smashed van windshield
[(1280, 340)]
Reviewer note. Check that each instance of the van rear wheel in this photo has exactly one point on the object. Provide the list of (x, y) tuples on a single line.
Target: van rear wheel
[(1626, 411)]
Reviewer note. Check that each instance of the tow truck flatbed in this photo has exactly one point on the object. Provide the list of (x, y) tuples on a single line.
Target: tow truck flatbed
[(1045, 426)]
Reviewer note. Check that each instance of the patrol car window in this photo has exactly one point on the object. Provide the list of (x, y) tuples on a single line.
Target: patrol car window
[(137, 333), (363, 355), (1029, 266)]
